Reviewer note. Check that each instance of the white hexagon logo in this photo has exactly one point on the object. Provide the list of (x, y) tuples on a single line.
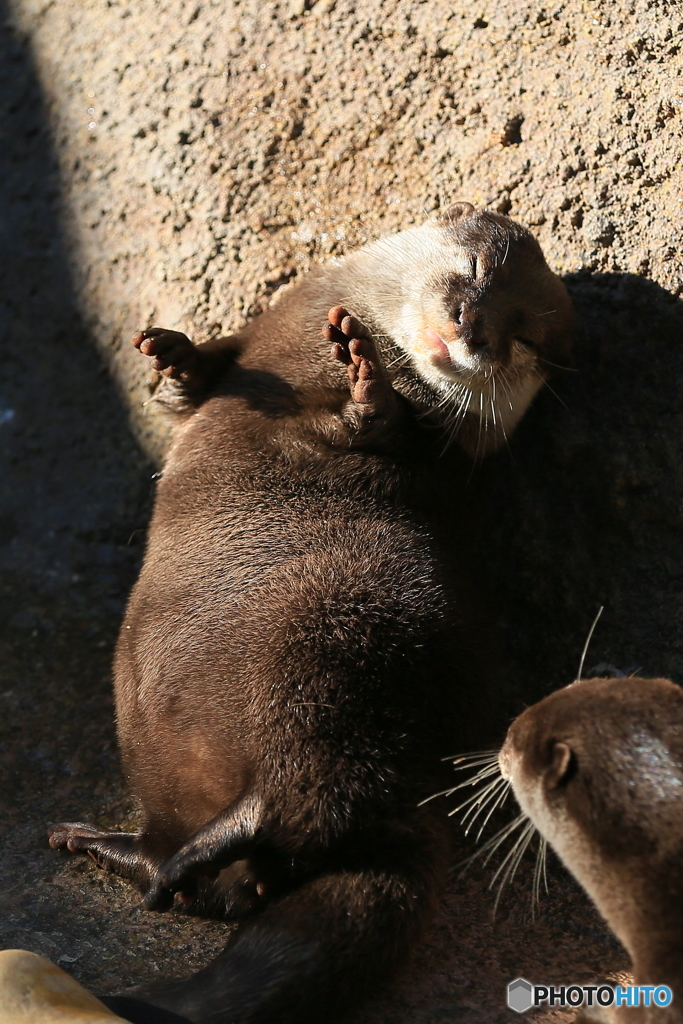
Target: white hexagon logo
[(520, 995)]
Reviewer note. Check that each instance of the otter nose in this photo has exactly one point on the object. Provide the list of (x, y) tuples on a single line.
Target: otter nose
[(473, 331), (470, 326)]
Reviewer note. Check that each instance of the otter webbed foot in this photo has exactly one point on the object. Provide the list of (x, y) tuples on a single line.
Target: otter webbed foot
[(118, 852)]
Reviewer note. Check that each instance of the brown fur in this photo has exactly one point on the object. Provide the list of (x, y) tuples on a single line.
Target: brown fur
[(598, 767), (303, 645)]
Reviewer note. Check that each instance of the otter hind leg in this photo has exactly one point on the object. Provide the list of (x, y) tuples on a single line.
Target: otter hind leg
[(314, 951), (119, 852), (353, 345), (227, 838)]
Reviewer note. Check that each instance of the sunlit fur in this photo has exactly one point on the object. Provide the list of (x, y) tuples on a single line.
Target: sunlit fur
[(479, 283)]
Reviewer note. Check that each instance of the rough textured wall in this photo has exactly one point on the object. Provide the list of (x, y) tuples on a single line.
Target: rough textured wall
[(178, 163), (210, 151)]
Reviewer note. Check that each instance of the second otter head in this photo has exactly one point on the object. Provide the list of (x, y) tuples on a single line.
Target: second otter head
[(598, 768)]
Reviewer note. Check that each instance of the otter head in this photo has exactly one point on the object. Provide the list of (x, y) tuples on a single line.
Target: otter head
[(485, 319), (598, 768)]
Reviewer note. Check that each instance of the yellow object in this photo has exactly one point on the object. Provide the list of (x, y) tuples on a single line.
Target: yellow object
[(34, 991)]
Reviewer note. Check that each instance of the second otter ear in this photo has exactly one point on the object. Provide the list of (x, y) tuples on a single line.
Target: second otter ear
[(456, 212), (562, 765)]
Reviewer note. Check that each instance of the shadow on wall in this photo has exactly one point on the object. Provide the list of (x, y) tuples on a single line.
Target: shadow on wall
[(592, 494), (72, 473), (73, 491)]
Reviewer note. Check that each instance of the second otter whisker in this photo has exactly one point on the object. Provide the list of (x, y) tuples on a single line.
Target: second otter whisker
[(539, 873), (494, 807), (490, 847), (511, 861), (475, 799)]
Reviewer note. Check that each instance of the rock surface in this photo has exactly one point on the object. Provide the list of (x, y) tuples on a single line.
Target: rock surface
[(34, 991), (178, 162)]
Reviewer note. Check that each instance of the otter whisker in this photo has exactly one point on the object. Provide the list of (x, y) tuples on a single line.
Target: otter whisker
[(544, 844), (482, 792), (509, 859), (475, 798), (481, 414), (552, 392), (539, 873), (456, 422), (518, 851), (495, 795), (588, 640), (504, 384), (477, 804), (502, 421), (479, 777), (461, 761), (558, 366), (491, 845), (499, 803), (489, 768)]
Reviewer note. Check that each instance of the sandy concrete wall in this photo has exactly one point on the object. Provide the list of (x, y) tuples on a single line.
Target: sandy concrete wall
[(211, 151)]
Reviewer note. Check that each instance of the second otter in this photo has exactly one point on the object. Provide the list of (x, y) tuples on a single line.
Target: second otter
[(598, 768)]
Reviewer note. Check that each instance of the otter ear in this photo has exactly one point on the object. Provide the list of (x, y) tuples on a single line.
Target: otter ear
[(562, 765), (456, 212)]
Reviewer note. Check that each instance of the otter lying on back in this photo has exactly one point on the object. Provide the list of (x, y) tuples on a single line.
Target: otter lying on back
[(302, 646), (598, 768)]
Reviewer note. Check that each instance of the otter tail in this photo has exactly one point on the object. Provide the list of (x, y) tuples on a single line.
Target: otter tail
[(310, 955)]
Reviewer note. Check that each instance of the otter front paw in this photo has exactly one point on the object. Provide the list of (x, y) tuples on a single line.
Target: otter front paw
[(353, 345), (171, 352)]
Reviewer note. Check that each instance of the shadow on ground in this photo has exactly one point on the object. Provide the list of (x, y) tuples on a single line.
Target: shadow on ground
[(74, 495)]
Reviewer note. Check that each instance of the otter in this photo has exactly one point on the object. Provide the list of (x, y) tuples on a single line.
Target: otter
[(303, 645), (598, 769)]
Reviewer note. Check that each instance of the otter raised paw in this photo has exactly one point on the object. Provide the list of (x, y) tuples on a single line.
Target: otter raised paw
[(353, 345), (191, 371), (171, 352)]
